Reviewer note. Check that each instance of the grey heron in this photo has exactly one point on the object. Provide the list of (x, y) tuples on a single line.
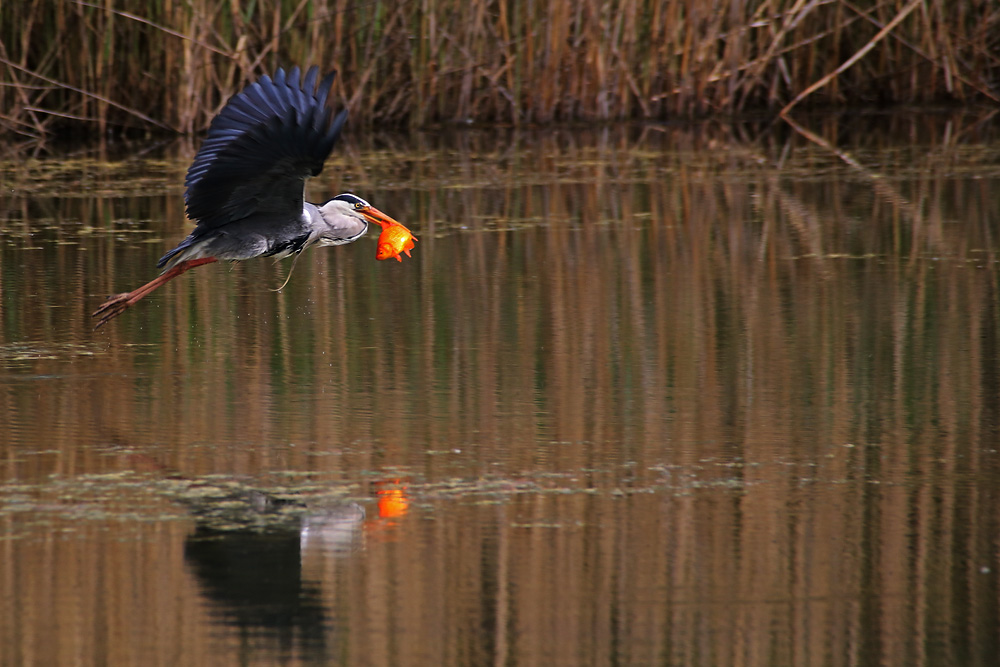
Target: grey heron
[(245, 188)]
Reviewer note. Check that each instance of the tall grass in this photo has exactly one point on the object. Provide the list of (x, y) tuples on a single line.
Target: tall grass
[(103, 65)]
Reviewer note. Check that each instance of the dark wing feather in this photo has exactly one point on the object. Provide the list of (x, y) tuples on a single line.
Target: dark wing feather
[(261, 148)]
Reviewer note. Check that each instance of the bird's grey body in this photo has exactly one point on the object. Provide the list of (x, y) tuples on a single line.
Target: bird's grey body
[(245, 188), (258, 236)]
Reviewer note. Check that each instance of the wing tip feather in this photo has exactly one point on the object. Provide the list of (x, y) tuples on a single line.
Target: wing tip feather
[(279, 127)]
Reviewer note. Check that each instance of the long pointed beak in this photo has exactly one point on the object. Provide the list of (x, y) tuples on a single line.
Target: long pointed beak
[(379, 218)]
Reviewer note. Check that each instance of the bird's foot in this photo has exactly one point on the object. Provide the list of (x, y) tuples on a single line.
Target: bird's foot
[(112, 308)]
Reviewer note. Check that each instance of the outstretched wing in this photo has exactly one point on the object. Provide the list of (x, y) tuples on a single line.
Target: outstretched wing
[(260, 150)]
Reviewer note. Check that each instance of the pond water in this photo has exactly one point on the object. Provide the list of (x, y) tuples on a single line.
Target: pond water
[(713, 395)]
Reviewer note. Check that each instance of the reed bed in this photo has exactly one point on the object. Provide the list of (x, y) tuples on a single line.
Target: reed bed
[(168, 65)]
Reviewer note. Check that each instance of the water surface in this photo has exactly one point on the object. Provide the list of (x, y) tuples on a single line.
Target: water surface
[(696, 396)]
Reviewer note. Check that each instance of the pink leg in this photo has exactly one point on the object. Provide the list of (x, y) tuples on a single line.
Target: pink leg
[(117, 304)]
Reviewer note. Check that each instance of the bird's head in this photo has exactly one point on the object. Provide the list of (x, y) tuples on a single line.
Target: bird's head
[(347, 217)]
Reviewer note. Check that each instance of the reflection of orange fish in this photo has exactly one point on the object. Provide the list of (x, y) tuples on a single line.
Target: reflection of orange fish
[(393, 240), (392, 503)]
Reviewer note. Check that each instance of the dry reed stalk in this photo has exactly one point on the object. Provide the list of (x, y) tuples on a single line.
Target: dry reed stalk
[(99, 98), (119, 62), (854, 58)]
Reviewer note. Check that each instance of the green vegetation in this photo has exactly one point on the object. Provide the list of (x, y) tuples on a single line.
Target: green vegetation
[(162, 65)]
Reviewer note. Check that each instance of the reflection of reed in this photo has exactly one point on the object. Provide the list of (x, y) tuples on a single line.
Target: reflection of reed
[(802, 369)]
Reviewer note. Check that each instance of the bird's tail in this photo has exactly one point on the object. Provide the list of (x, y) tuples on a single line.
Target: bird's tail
[(177, 255)]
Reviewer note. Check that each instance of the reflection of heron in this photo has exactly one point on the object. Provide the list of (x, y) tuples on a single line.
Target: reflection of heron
[(261, 562), (245, 187), (253, 582)]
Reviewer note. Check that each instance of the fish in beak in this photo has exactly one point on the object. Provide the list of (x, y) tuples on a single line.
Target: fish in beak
[(393, 240)]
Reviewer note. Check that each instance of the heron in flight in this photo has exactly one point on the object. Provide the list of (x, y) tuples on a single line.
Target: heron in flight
[(246, 186)]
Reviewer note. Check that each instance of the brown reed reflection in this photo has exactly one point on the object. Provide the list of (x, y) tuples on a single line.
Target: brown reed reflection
[(737, 395)]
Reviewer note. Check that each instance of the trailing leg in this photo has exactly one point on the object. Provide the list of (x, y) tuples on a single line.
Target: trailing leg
[(116, 305)]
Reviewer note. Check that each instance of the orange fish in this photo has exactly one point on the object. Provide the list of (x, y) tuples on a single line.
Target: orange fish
[(394, 239)]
